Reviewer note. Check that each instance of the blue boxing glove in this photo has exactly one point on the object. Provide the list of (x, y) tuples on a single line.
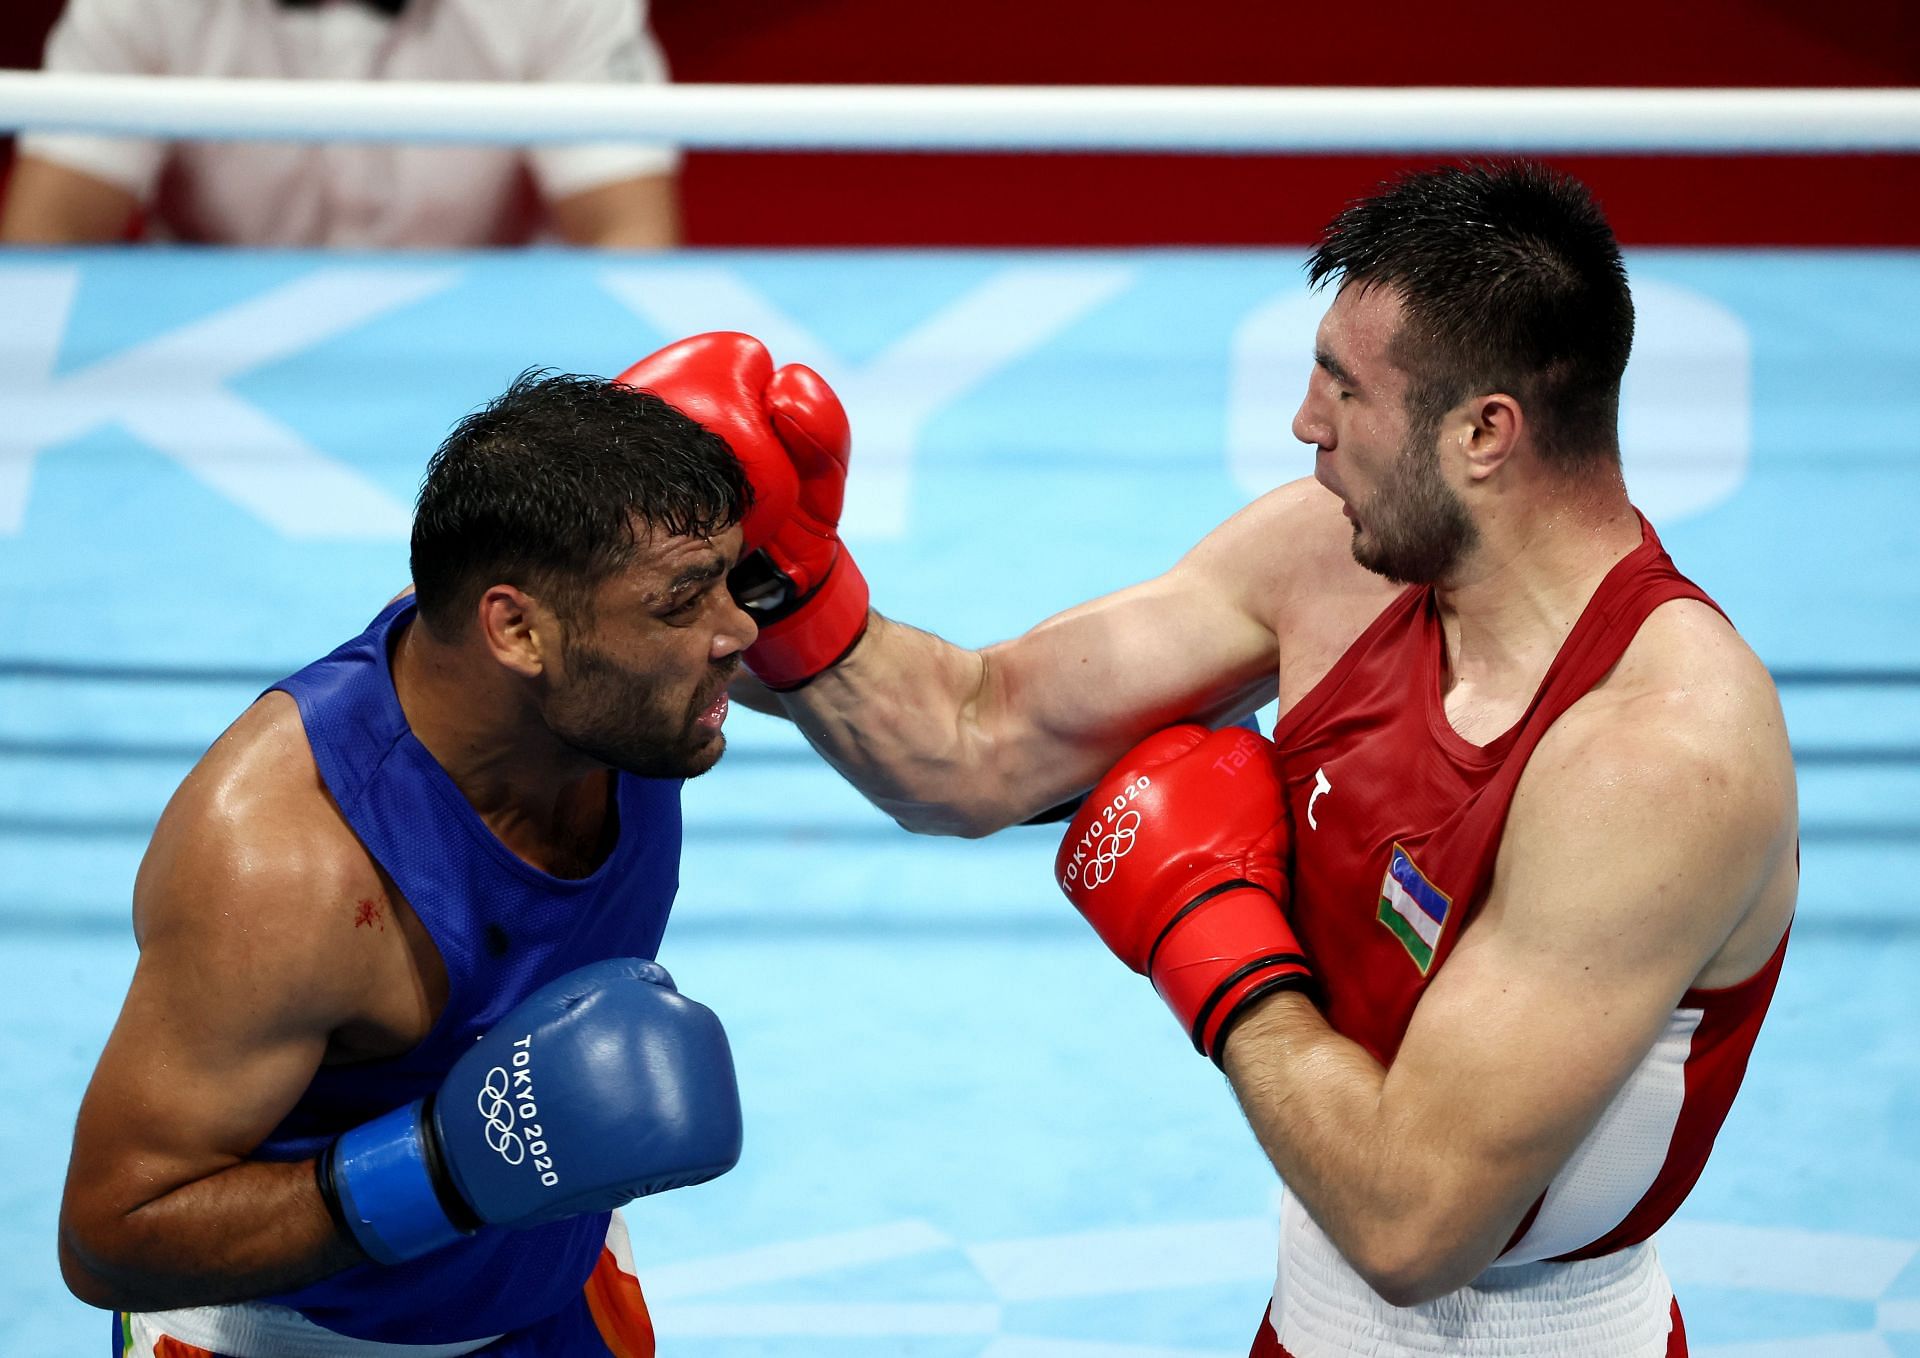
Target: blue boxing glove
[(600, 1087)]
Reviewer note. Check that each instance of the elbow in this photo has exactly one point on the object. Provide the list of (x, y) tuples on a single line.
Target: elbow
[(85, 1278), (85, 1287), (100, 1271), (978, 818), (92, 1292), (1410, 1281), (1409, 1285), (947, 815), (952, 822), (1408, 1266)]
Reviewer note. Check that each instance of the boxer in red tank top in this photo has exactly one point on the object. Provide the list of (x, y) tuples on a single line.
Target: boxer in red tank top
[(1483, 937)]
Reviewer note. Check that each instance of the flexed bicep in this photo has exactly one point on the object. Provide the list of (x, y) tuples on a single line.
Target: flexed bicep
[(950, 740)]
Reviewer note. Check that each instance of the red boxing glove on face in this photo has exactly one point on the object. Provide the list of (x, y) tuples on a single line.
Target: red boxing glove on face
[(790, 432), (802, 585), (718, 380), (1175, 859)]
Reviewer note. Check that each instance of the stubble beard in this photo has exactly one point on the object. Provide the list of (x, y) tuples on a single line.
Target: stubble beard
[(612, 715), (1414, 529)]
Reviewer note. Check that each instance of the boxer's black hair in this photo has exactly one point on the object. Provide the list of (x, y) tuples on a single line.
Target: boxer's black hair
[(540, 488), (1511, 280)]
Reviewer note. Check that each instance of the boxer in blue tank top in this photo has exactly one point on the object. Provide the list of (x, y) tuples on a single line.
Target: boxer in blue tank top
[(396, 1046)]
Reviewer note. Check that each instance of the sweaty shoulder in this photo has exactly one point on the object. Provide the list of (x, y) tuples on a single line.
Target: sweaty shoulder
[(1688, 670), (1291, 554), (1685, 739), (253, 872)]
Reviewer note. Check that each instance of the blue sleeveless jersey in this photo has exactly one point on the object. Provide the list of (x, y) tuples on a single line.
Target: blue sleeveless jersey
[(504, 929)]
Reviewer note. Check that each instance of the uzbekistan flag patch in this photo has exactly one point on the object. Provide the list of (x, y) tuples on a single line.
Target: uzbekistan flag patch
[(1413, 908)]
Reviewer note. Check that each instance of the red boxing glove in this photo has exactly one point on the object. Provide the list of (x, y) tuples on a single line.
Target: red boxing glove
[(718, 380), (790, 431), (1175, 858), (802, 585)]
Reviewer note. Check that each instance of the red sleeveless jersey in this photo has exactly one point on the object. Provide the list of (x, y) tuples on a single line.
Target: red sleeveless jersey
[(1396, 826)]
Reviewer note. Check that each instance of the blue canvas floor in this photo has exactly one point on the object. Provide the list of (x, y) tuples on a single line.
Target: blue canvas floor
[(969, 1131)]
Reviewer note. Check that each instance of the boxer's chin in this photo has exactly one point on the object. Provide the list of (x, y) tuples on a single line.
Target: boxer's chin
[(699, 760), (649, 750)]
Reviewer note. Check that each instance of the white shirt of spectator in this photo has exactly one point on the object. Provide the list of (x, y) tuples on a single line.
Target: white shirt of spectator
[(375, 195)]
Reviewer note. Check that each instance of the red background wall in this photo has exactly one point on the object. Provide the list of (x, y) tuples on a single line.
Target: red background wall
[(920, 199)]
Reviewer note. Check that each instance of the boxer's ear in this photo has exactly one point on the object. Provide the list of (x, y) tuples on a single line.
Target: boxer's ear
[(519, 632), (1491, 428)]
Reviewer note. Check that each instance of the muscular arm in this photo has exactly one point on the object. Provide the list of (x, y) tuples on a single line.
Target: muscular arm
[(243, 975), (642, 213), (82, 189), (1644, 853), (49, 204), (163, 1208), (955, 741)]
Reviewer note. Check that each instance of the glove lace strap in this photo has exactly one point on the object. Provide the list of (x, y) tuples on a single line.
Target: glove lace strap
[(463, 1217), (1233, 884), (1289, 974), (330, 1191)]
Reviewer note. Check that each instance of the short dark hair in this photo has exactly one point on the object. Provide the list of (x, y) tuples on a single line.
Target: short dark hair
[(540, 487), (1511, 280)]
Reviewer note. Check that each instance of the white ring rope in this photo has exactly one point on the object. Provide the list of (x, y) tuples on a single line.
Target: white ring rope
[(906, 117)]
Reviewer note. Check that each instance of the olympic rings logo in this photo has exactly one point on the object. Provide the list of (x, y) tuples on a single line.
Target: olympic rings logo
[(1111, 849), (493, 1106)]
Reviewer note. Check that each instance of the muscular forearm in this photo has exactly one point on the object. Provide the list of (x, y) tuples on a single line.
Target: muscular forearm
[(49, 204), (630, 214), (1381, 1185), (248, 1231), (902, 718)]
